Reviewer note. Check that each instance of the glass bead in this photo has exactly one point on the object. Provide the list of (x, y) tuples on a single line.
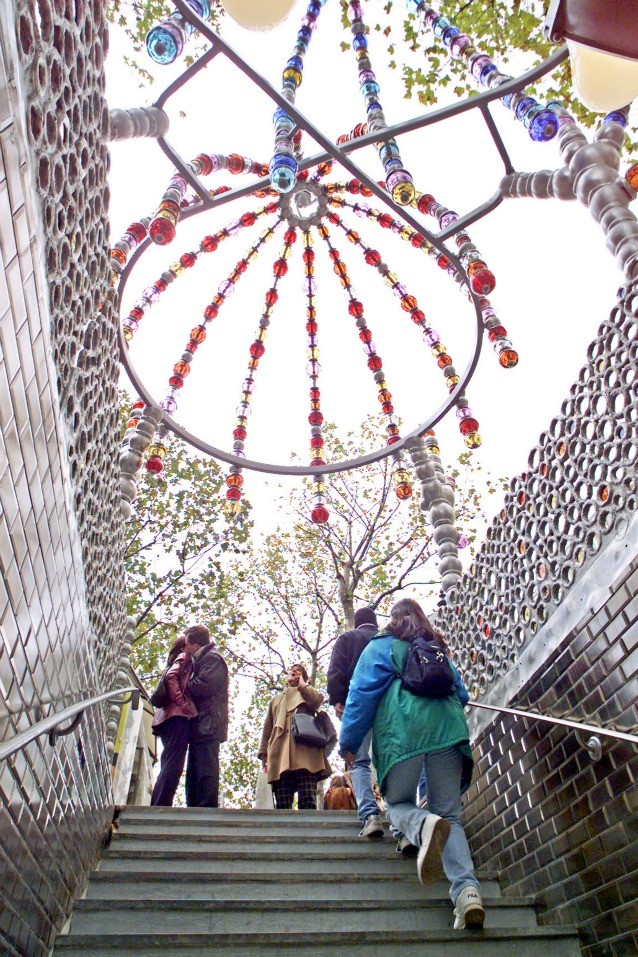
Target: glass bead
[(459, 44), (320, 515), (211, 311), (401, 475), (439, 26), (472, 440), (162, 231), (154, 464), (234, 480), (508, 358), (632, 176), (417, 316), (616, 116), (182, 368), (374, 363), (315, 418), (403, 192), (483, 281), (168, 404), (165, 42), (233, 494), (449, 34), (496, 332), (403, 491), (452, 381), (360, 41), (444, 360), (280, 268), (424, 203), (157, 449), (355, 308), (543, 126), (462, 541), (127, 333), (176, 381), (468, 425)]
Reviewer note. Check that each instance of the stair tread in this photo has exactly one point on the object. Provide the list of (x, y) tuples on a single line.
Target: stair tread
[(335, 903)]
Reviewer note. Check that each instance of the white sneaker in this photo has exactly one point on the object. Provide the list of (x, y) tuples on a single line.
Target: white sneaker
[(434, 833), (372, 828), (468, 912), (405, 848)]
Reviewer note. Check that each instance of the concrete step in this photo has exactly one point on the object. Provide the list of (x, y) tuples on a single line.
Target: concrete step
[(308, 846), (505, 943), (259, 917), (245, 830), (147, 884)]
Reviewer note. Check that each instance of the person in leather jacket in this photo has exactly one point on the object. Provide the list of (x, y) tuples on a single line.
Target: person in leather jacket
[(208, 687)]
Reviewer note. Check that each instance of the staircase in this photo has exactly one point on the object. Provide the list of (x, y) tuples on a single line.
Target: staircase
[(204, 882)]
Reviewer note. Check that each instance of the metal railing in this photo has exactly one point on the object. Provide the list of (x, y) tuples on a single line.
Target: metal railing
[(593, 745), (75, 712)]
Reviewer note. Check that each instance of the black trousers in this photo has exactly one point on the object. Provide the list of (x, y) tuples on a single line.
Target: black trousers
[(303, 782), (174, 736), (202, 774)]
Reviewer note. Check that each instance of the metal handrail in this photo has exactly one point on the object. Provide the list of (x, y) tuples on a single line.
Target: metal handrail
[(75, 712), (593, 745)]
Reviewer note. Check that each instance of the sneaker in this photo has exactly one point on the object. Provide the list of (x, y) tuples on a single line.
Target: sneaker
[(372, 828), (468, 912), (405, 848), (434, 833)]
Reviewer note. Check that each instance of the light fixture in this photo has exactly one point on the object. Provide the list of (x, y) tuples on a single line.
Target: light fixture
[(603, 46), (258, 14)]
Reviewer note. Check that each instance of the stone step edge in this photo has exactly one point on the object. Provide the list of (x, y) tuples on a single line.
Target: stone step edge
[(336, 937), (257, 854), (168, 903), (317, 878)]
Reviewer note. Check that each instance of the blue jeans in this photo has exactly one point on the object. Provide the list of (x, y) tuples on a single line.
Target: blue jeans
[(443, 781), (362, 781)]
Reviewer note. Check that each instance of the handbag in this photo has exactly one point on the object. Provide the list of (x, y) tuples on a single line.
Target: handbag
[(160, 697), (307, 730)]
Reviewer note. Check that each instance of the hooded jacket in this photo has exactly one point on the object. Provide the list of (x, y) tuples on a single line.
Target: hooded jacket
[(208, 687), (405, 724), (180, 703), (343, 661)]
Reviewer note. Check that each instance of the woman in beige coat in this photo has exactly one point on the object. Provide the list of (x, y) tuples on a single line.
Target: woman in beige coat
[(292, 767)]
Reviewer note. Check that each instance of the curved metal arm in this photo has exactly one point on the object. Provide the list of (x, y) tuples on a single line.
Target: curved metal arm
[(75, 712), (565, 723)]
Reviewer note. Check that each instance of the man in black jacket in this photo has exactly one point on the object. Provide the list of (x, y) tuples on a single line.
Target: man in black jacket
[(345, 654), (208, 687)]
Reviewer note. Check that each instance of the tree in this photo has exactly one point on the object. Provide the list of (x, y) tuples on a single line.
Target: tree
[(302, 585), (183, 559)]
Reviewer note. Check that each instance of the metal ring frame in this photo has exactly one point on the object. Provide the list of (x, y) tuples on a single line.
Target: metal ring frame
[(340, 154)]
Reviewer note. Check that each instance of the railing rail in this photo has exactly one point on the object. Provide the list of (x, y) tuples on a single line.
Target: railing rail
[(593, 745), (75, 712)]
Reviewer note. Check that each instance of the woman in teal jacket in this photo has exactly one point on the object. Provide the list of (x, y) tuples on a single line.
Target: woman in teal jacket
[(412, 732)]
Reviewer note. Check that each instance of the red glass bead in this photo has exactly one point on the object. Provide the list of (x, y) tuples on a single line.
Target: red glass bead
[(408, 303), (308, 255), (182, 368), (272, 207), (209, 244), (136, 314), (315, 393), (316, 442), (483, 281), (290, 237), (138, 404), (355, 308), (318, 461), (424, 202), (392, 439), (320, 514), (418, 316), (372, 257), (248, 219), (239, 432), (205, 164), (443, 360), (374, 363), (496, 332), (302, 176), (137, 230), (385, 220), (280, 268), (234, 163), (334, 255), (176, 382), (191, 346), (154, 464), (442, 261), (333, 217), (508, 358), (468, 425), (271, 297), (315, 417), (233, 494), (365, 335), (257, 349), (354, 186), (417, 240), (211, 310), (404, 491), (385, 396), (387, 407), (162, 231), (311, 328), (188, 260)]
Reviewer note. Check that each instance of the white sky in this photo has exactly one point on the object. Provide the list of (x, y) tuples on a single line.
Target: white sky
[(555, 280)]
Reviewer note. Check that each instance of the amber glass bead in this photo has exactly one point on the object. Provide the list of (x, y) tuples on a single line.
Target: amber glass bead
[(472, 440), (324, 168), (182, 368), (385, 396), (311, 313), (234, 480), (127, 334), (452, 381), (404, 491), (352, 236), (403, 193), (475, 265), (508, 358), (340, 268), (444, 360), (631, 176), (119, 256), (408, 303), (157, 449), (154, 464)]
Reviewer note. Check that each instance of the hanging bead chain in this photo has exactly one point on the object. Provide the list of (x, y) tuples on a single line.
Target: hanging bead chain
[(121, 251), (234, 479), (319, 512), (468, 426), (398, 180), (283, 165), (164, 223), (540, 122), (165, 41), (497, 334), (374, 361), (208, 244), (182, 367)]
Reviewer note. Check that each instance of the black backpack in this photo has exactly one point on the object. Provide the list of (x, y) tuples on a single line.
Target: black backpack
[(426, 670)]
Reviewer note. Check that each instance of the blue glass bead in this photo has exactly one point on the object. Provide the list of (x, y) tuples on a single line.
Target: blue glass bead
[(314, 8), (165, 42), (304, 34), (523, 106), (555, 106), (616, 117), (507, 100), (448, 35), (439, 25), (374, 107), (371, 88), (283, 172), (543, 126), (295, 63), (201, 8), (360, 41), (486, 71)]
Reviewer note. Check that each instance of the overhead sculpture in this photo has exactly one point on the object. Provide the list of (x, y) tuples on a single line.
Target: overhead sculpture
[(307, 206)]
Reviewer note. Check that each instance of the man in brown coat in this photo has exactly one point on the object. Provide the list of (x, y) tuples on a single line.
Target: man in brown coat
[(292, 767)]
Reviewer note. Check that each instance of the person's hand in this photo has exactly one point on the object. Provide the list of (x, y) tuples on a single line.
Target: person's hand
[(349, 759), (339, 709), (301, 683)]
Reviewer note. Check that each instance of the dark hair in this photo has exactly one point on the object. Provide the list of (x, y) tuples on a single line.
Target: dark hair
[(407, 620), (176, 649), (298, 664), (197, 634), (365, 616)]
